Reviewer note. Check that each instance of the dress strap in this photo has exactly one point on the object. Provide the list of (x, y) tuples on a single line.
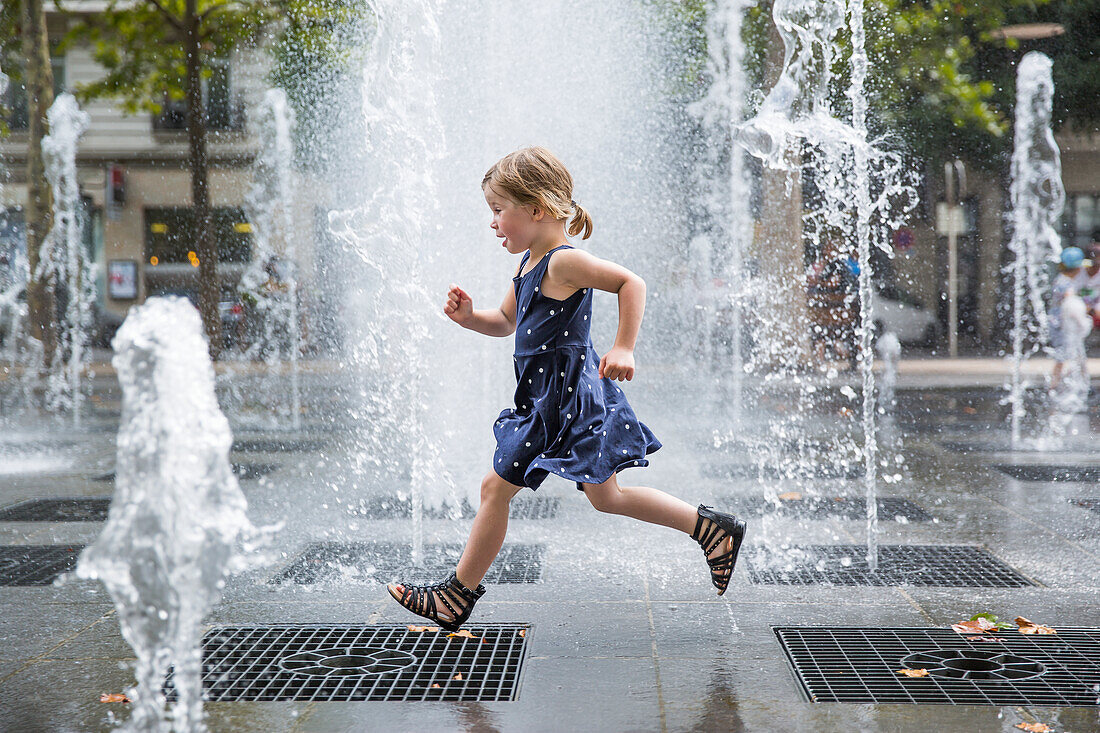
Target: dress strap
[(519, 272)]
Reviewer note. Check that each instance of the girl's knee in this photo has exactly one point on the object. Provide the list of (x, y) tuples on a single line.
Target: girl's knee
[(494, 488), (603, 498)]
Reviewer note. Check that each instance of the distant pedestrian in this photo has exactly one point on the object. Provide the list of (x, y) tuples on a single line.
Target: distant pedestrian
[(569, 419), (1067, 315)]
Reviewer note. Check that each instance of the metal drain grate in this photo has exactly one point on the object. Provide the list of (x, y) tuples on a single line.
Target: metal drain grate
[(859, 665), (74, 509), (749, 471), (243, 471), (1005, 446), (825, 507), (1049, 473), (387, 562), (36, 564), (929, 565), (1093, 504), (361, 663), (280, 445), (527, 507)]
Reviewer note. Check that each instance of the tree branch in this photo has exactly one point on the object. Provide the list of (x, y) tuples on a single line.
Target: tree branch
[(172, 20)]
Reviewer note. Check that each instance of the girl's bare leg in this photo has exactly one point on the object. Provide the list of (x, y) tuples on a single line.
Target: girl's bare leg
[(641, 502), (650, 505), (487, 534)]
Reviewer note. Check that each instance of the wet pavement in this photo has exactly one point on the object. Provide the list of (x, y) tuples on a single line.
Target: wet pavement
[(622, 630)]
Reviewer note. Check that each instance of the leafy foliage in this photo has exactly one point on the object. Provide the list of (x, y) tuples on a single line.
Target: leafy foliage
[(140, 45)]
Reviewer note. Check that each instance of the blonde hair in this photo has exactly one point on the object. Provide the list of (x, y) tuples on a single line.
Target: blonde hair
[(535, 177)]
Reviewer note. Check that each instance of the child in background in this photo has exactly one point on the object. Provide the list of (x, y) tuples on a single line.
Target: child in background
[(1065, 285), (570, 419)]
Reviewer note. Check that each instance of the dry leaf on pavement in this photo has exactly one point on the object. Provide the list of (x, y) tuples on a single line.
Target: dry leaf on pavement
[(791, 495), (1030, 627), (113, 697), (1035, 727), (913, 672), (463, 633), (976, 625)]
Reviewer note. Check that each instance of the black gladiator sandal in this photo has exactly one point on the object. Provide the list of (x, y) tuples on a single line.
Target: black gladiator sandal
[(420, 599), (722, 525)]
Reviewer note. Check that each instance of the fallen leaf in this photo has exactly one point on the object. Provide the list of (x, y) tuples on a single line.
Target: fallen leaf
[(976, 625), (1035, 727), (463, 633), (522, 633), (413, 627), (913, 672), (457, 676), (970, 411), (791, 496), (846, 412), (1030, 627), (113, 697), (436, 685)]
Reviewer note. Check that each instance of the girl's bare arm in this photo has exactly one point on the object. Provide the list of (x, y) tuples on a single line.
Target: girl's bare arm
[(577, 269), (490, 321)]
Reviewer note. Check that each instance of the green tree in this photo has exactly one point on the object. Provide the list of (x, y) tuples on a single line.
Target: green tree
[(25, 55), (158, 51)]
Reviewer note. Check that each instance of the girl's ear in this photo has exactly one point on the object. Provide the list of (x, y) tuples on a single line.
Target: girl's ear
[(536, 213)]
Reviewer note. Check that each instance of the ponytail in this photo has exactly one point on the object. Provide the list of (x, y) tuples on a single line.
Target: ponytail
[(581, 221)]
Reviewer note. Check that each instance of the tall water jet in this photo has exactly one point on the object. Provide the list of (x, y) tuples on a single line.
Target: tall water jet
[(1038, 198), (389, 233), (177, 519), (726, 189), (863, 190), (64, 260), (271, 282), (448, 89)]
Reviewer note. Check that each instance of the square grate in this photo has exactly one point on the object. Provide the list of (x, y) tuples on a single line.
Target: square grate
[(280, 445), (388, 562), (361, 664), (74, 509), (890, 508), (243, 471), (946, 566), (392, 506), (859, 665), (1087, 503), (1051, 473), (36, 564), (719, 470)]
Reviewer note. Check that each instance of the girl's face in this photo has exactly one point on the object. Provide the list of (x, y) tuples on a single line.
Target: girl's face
[(513, 223)]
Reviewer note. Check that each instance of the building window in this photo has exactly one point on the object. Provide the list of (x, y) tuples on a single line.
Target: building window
[(16, 110), (217, 97), (170, 236), (1080, 219)]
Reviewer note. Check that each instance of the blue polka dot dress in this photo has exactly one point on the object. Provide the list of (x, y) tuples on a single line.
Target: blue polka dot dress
[(567, 420)]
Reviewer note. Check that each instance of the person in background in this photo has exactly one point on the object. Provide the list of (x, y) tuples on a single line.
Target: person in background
[(1065, 285)]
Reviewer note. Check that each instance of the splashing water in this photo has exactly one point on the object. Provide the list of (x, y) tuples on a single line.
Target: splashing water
[(1038, 198), (388, 232), (271, 281), (64, 259), (178, 516), (864, 190), (726, 193)]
